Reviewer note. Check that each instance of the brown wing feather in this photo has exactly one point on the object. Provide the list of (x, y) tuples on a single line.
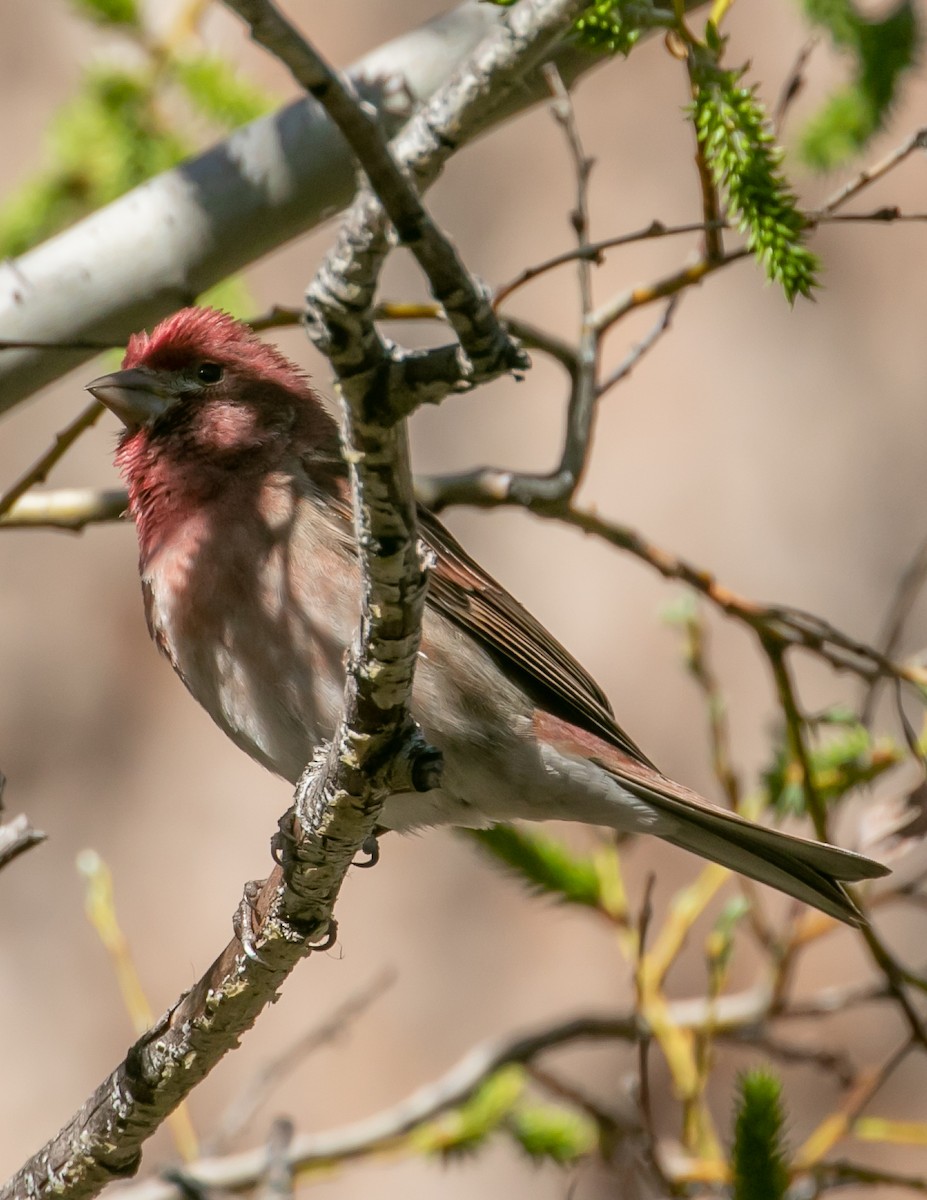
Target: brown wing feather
[(463, 592)]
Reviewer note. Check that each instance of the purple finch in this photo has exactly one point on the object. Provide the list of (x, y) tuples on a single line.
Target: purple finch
[(250, 581)]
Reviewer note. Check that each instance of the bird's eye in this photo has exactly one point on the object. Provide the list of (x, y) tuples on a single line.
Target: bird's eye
[(209, 372)]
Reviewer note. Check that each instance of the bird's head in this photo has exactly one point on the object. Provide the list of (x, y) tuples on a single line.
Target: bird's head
[(202, 387)]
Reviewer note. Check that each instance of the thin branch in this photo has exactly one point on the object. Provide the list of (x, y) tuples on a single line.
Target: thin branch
[(593, 251), (642, 348), (376, 749), (581, 407), (869, 175), (792, 88), (258, 1090), (16, 836), (843, 1174), (791, 626), (836, 1124), (702, 671), (40, 469), (386, 1129), (618, 307), (482, 338), (899, 610), (795, 725), (279, 1178), (69, 509)]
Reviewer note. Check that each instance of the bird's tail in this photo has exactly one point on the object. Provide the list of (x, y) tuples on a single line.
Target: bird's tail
[(813, 872)]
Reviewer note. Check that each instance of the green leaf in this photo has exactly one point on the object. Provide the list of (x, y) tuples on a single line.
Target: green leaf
[(758, 1157), (603, 26), (845, 759), (545, 1131), (464, 1129), (216, 90), (105, 141), (745, 163), (720, 942), (881, 50), (110, 12), (542, 863)]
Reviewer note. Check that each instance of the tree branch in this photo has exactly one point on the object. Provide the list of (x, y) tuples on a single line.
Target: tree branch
[(376, 749), (265, 184)]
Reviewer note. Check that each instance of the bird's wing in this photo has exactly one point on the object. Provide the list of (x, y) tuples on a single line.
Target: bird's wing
[(461, 590)]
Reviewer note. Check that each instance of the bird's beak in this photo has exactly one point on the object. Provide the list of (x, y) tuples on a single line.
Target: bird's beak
[(136, 396)]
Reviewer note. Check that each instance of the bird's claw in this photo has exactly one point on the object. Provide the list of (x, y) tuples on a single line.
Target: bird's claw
[(330, 938), (243, 921), (370, 847)]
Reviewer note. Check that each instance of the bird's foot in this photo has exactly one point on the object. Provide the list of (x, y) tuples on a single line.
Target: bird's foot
[(243, 921), (370, 847)]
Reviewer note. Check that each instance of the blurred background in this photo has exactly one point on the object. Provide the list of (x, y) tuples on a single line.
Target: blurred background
[(782, 449)]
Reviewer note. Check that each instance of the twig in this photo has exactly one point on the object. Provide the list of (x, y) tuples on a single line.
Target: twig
[(832, 1061), (795, 81), (16, 836), (644, 1099), (895, 980), (641, 348), (279, 1181), (593, 252), (702, 671), (791, 626), (916, 141), (899, 610), (849, 1174), (70, 509), (618, 307), (488, 348), (259, 1088), (795, 725), (837, 1124), (582, 402), (386, 1129), (39, 470)]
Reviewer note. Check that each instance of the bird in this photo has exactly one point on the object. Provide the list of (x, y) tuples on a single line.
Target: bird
[(249, 569)]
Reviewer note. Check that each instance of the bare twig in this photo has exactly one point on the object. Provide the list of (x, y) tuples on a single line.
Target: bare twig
[(791, 626), (39, 470), (641, 349), (16, 836), (899, 610), (795, 726), (793, 85), (482, 338), (70, 509), (843, 1174), (376, 749), (836, 1124), (386, 1129), (593, 252), (869, 175), (619, 306), (582, 401), (279, 1181), (258, 1089), (700, 667)]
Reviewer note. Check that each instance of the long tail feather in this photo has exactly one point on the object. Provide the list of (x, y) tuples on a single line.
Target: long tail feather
[(810, 871)]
